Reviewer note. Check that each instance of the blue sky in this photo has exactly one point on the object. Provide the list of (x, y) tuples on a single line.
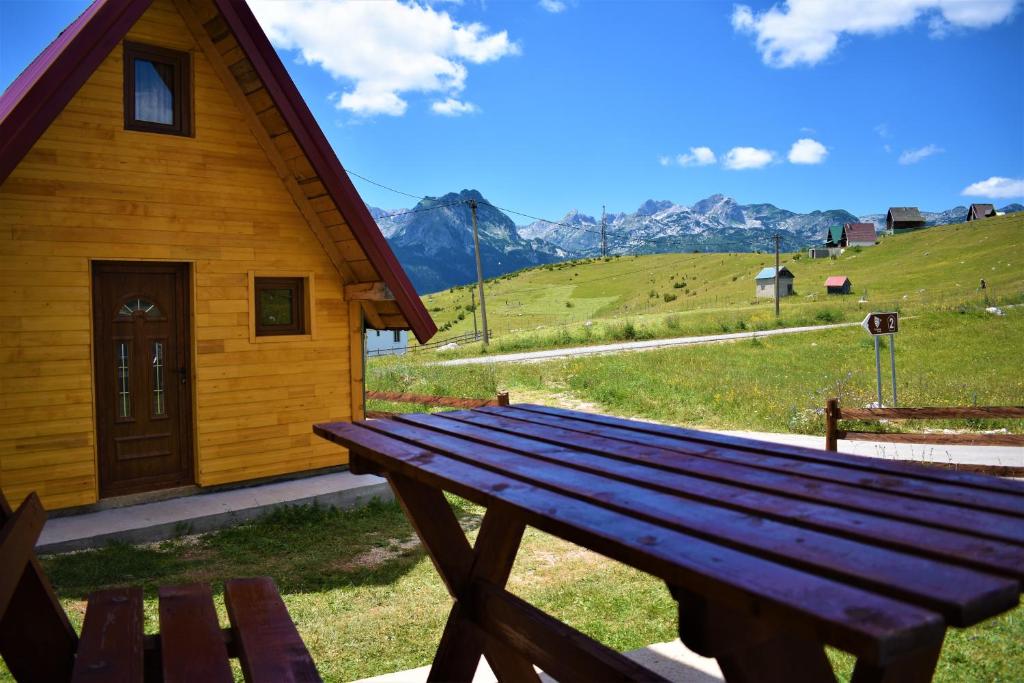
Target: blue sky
[(904, 102)]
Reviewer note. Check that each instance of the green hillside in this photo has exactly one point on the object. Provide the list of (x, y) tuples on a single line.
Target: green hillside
[(674, 294)]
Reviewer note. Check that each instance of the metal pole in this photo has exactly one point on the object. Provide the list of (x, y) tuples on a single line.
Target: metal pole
[(776, 275), (479, 274), (892, 364), (878, 369), (604, 238), (472, 298)]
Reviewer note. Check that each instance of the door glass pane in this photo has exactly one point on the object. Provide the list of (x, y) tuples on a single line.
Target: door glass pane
[(154, 92), (129, 307), (122, 354), (159, 407), (275, 306)]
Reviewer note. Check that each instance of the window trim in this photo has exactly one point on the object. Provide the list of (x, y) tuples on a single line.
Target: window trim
[(182, 63), (309, 330), (297, 285)]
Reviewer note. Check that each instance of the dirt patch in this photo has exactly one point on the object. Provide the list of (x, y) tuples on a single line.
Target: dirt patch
[(376, 557)]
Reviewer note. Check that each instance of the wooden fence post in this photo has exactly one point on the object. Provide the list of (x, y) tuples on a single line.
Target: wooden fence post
[(831, 428), (502, 398)]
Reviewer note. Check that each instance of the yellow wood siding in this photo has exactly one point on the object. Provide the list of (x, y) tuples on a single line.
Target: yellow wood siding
[(89, 190)]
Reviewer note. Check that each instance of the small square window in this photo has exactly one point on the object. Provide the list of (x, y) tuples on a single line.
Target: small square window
[(280, 306), (157, 90)]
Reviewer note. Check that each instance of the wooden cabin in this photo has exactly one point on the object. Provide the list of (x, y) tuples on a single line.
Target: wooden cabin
[(979, 211), (859, 235), (187, 270), (838, 284), (903, 218), (764, 283)]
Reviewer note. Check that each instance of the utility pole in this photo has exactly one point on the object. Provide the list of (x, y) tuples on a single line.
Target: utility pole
[(472, 298), (604, 236), (479, 275), (777, 237)]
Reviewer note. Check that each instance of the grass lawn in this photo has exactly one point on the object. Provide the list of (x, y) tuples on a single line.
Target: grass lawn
[(367, 600), (775, 384)]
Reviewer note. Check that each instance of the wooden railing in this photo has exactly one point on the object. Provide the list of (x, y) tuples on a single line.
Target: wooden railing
[(834, 413), (423, 399)]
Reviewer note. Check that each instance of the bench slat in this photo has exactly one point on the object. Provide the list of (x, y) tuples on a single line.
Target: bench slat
[(608, 458), (191, 641), (964, 500), (963, 595), (111, 647), (865, 623), (797, 453), (269, 646)]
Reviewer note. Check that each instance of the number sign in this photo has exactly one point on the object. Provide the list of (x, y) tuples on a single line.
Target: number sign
[(881, 323)]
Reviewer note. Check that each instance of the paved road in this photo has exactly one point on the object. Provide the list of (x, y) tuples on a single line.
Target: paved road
[(1007, 456), (535, 356)]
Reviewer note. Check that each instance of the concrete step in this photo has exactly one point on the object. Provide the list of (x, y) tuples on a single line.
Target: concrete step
[(160, 520)]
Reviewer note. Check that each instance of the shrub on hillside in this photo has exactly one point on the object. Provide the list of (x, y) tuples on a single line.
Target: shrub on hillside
[(669, 297)]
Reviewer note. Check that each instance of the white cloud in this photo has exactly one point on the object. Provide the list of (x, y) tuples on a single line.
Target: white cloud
[(553, 6), (996, 187), (741, 158), (808, 31), (807, 151), (912, 156), (882, 130), (453, 107), (698, 156), (385, 49), (664, 160)]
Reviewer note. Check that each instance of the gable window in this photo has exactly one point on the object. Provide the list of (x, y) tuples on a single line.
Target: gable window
[(157, 90), (280, 306)]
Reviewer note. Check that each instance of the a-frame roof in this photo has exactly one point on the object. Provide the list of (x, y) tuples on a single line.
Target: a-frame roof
[(344, 224)]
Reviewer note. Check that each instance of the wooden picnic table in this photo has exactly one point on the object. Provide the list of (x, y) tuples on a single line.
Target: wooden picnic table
[(771, 551)]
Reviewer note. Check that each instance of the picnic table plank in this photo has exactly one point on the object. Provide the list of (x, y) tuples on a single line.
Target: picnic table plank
[(962, 595), (111, 646), (191, 642), (902, 470), (873, 626), (544, 442), (17, 542), (270, 649), (733, 468)]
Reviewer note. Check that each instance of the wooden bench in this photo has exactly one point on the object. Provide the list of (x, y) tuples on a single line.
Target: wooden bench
[(771, 551), (426, 400), (38, 643), (834, 413)]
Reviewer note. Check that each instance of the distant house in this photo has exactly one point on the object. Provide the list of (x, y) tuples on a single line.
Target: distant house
[(822, 252), (979, 211), (838, 284), (834, 236), (859, 235), (386, 342), (765, 282), (901, 218)]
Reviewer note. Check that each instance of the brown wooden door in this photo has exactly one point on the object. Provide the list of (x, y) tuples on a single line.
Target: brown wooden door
[(143, 394)]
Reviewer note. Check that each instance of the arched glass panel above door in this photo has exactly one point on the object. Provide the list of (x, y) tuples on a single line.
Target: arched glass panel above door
[(136, 304)]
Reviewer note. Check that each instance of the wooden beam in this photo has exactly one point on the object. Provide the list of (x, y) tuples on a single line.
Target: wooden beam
[(368, 291), (371, 315), (226, 76), (356, 341)]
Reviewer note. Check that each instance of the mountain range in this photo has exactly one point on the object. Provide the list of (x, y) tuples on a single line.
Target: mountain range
[(434, 243)]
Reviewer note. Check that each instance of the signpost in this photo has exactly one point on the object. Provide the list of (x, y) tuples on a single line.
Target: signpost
[(878, 324)]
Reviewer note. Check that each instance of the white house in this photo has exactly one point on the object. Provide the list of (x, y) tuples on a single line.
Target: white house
[(386, 342)]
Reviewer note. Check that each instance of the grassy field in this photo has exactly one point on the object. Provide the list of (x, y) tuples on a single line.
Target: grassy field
[(367, 600), (776, 384), (678, 294)]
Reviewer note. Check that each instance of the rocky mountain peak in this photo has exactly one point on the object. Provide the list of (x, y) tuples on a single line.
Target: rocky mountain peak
[(653, 206)]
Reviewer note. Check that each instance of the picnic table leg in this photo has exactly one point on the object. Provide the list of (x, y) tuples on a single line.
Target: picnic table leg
[(491, 560), (747, 649), (916, 667)]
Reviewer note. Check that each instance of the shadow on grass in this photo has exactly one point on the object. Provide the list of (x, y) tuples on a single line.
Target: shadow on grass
[(306, 549)]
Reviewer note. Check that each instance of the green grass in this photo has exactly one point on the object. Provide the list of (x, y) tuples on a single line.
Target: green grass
[(548, 306), (368, 601), (770, 384)]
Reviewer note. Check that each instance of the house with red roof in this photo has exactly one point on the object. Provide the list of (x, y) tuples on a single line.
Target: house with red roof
[(188, 272), (838, 284), (859, 235)]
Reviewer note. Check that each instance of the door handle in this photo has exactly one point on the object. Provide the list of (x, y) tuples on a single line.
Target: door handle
[(183, 374)]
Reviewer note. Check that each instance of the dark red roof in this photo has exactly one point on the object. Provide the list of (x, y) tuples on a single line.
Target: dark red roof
[(860, 232), (42, 91)]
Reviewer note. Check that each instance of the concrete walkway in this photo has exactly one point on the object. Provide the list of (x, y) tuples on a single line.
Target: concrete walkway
[(671, 660), (1005, 456), (536, 356), (157, 521)]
